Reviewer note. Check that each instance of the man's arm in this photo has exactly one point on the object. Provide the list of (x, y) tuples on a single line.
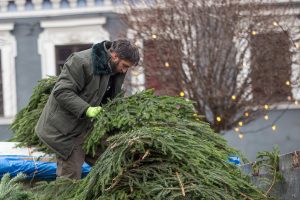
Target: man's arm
[(70, 82)]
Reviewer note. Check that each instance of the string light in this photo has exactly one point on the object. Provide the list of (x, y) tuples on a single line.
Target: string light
[(266, 117), (134, 73), (297, 45), (266, 106), (241, 135), (296, 102), (233, 97), (195, 115)]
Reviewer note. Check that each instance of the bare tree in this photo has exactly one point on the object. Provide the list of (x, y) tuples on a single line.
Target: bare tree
[(232, 58)]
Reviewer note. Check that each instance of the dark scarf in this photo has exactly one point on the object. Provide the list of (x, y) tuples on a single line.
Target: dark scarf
[(100, 58)]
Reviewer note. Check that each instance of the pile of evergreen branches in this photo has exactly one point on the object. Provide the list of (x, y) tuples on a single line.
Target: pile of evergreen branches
[(157, 148), (25, 121), (12, 189)]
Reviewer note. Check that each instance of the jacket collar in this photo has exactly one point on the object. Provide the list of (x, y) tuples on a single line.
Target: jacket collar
[(101, 58)]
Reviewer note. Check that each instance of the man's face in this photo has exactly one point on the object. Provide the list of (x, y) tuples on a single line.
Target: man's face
[(118, 65)]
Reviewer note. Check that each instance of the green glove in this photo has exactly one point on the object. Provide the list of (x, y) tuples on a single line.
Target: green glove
[(93, 111)]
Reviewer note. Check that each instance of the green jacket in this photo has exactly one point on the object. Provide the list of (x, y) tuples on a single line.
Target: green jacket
[(83, 82)]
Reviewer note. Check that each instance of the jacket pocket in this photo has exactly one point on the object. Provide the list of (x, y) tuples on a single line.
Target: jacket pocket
[(65, 122)]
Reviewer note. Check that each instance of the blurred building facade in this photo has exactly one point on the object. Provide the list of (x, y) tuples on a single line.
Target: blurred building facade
[(36, 36)]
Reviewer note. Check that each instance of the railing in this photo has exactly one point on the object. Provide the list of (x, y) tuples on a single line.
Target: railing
[(37, 5), (288, 188), (45, 8)]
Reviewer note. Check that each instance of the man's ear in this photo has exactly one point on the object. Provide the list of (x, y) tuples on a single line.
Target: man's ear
[(113, 55)]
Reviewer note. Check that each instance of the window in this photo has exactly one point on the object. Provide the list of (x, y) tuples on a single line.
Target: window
[(62, 52), (64, 32), (270, 67), (160, 64)]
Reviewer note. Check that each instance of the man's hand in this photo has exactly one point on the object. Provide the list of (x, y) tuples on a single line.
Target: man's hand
[(93, 111)]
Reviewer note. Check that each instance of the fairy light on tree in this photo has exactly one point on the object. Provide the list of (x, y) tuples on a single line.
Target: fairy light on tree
[(241, 136), (266, 117), (266, 106), (254, 33)]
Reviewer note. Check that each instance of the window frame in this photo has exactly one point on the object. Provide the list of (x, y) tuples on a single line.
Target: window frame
[(67, 32)]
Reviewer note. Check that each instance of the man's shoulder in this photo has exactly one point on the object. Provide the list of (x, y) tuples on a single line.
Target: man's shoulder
[(85, 54), (84, 57)]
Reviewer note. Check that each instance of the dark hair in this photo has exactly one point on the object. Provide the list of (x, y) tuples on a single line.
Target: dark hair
[(126, 51)]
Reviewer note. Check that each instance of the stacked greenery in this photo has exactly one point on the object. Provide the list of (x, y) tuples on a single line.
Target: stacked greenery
[(12, 189), (25, 121), (157, 149)]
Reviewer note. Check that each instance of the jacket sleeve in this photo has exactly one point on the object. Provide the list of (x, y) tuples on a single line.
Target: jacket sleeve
[(70, 82)]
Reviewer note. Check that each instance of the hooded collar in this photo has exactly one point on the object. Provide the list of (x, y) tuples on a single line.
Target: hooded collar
[(101, 58)]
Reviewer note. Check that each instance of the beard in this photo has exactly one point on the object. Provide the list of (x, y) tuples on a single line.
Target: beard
[(114, 65)]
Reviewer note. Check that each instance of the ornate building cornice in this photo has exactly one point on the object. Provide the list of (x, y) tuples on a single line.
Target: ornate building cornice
[(45, 8)]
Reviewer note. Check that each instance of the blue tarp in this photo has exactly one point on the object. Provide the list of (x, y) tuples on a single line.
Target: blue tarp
[(234, 159), (14, 164), (40, 170)]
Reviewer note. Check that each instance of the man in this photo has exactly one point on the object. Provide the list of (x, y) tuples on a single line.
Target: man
[(87, 80)]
